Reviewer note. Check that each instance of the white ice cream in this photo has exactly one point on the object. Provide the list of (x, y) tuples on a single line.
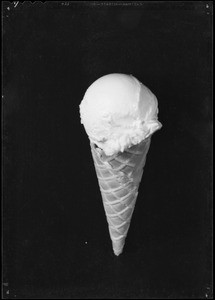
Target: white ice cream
[(118, 111)]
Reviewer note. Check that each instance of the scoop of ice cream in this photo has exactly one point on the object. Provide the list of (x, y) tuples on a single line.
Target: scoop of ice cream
[(118, 111)]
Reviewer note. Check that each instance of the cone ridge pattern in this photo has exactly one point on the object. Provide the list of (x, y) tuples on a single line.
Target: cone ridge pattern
[(119, 177)]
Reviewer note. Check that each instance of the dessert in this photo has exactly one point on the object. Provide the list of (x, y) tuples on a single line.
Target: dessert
[(119, 115)]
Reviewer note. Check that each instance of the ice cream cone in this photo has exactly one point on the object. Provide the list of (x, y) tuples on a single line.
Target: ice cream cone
[(119, 177)]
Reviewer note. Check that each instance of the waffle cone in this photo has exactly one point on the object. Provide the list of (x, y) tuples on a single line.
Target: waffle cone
[(119, 177)]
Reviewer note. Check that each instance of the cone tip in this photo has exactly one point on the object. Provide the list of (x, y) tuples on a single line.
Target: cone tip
[(117, 252), (118, 247)]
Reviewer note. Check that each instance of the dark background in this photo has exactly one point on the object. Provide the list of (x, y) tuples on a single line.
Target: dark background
[(55, 235)]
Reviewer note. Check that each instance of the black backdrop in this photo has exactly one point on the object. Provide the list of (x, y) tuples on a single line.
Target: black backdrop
[(56, 240)]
